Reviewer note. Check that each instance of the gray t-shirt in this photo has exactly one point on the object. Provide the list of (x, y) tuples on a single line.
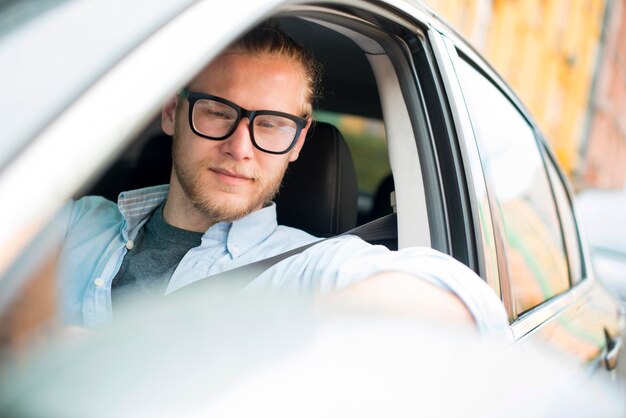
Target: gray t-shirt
[(149, 265)]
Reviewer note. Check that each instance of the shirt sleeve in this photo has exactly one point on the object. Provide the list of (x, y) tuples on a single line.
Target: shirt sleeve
[(339, 262)]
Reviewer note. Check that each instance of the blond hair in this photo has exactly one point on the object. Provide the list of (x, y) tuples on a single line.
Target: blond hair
[(267, 40)]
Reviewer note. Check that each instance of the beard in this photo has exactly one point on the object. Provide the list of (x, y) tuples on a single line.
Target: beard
[(222, 202)]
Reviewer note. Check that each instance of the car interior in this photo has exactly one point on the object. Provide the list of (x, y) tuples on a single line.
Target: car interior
[(323, 193), (365, 127)]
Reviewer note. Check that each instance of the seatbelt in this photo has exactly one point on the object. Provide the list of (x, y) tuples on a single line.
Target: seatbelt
[(237, 278)]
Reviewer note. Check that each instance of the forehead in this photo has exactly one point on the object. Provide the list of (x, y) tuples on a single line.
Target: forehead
[(255, 82)]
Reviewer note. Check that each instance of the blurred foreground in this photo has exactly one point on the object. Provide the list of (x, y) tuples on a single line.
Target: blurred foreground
[(266, 355)]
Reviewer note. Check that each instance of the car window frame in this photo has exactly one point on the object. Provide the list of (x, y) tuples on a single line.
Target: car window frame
[(557, 176), (532, 320), (478, 208), (538, 151)]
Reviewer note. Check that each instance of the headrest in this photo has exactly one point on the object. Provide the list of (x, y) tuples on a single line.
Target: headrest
[(319, 192)]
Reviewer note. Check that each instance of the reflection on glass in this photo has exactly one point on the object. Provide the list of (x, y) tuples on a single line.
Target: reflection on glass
[(568, 222), (511, 157)]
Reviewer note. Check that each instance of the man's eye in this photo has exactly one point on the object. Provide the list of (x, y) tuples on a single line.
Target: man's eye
[(275, 124), (216, 114), (267, 124)]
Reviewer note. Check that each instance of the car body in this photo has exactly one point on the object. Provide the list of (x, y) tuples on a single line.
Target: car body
[(473, 176), (603, 214)]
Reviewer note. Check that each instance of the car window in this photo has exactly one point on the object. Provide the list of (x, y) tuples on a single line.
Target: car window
[(515, 169), (570, 230)]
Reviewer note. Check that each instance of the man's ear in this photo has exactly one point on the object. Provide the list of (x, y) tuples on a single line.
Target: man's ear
[(295, 151), (168, 116)]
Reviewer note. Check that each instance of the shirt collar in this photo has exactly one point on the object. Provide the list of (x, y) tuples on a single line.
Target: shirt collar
[(136, 205), (239, 236), (245, 233)]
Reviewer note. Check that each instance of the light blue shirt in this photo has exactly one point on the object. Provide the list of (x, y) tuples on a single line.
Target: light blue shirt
[(100, 233)]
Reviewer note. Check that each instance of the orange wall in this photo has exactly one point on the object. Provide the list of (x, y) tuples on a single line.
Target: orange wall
[(605, 150), (546, 50)]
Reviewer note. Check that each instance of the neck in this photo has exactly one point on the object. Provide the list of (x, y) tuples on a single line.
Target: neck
[(181, 213)]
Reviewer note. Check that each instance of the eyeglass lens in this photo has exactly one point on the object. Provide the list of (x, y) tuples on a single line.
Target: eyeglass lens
[(270, 132)]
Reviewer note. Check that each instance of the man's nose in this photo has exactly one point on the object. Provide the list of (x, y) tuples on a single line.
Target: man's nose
[(239, 144)]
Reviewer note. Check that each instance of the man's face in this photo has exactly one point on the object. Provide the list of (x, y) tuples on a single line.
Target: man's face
[(227, 179)]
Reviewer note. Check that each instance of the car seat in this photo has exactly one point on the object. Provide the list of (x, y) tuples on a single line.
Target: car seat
[(383, 201), (319, 193)]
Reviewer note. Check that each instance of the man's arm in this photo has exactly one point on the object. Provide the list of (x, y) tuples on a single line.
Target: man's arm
[(400, 295), (417, 280)]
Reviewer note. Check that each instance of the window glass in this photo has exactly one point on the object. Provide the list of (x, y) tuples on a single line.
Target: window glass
[(516, 172), (568, 222), (368, 145)]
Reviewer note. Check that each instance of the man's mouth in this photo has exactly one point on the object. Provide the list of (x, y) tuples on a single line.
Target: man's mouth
[(230, 177)]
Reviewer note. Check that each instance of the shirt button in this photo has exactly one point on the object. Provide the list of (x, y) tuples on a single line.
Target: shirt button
[(234, 248), (99, 282), (130, 244)]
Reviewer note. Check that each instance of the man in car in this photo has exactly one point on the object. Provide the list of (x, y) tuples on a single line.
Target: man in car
[(235, 129)]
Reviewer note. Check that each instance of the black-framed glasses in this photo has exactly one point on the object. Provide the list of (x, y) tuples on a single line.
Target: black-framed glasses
[(216, 118)]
